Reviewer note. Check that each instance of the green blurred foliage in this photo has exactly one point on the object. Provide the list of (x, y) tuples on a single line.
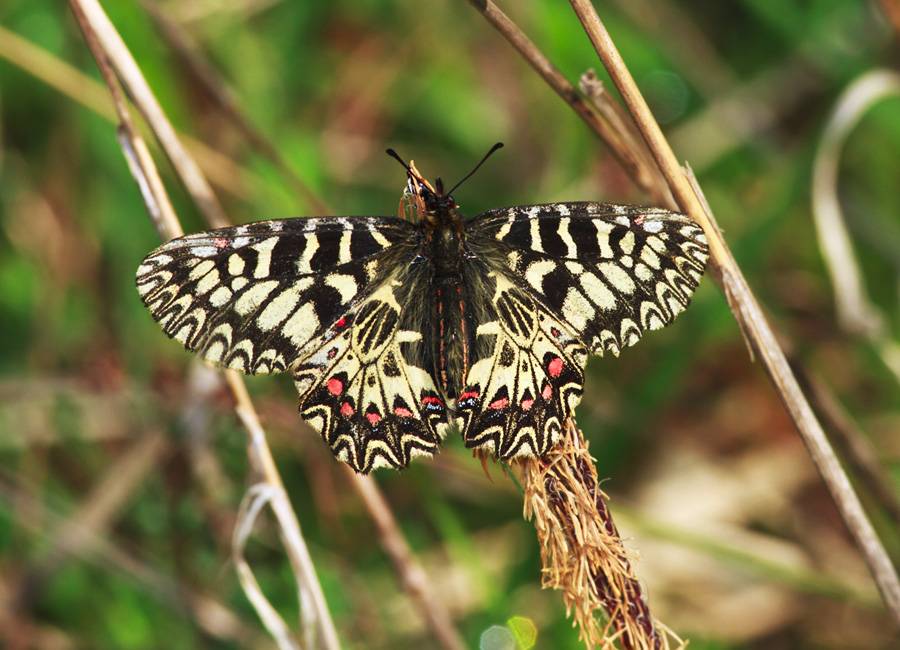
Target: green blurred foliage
[(331, 85)]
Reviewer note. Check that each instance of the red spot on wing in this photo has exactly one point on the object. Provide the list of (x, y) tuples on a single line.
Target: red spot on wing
[(347, 410), (374, 418), (526, 404), (335, 386), (432, 405), (501, 403), (467, 395), (555, 367), (403, 412), (638, 220), (341, 322), (220, 242), (547, 392), (555, 332)]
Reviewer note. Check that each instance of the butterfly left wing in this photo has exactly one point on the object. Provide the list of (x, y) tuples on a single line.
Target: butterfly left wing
[(571, 278), (254, 298)]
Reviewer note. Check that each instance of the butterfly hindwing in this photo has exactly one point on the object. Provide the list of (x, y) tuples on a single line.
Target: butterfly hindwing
[(526, 381), (366, 390)]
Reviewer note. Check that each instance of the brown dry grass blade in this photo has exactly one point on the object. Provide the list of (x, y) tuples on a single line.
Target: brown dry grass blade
[(581, 551), (749, 316), (116, 63)]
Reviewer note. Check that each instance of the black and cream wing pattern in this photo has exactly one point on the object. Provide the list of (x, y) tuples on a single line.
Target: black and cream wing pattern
[(398, 331)]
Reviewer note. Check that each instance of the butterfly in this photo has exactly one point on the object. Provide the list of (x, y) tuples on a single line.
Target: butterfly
[(397, 330)]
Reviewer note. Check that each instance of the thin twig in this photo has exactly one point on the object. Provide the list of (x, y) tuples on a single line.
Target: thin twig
[(312, 600), (750, 317), (132, 78), (109, 47), (853, 443), (208, 78), (855, 311), (412, 576), (133, 145), (557, 81), (613, 112), (856, 314)]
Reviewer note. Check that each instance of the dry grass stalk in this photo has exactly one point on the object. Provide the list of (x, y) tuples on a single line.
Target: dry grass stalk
[(116, 64), (749, 316), (581, 551)]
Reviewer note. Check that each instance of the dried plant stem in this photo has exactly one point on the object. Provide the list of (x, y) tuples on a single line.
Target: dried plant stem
[(412, 576), (111, 54), (317, 617), (853, 443), (856, 313), (144, 99), (139, 159), (206, 76), (632, 162), (749, 316), (582, 553)]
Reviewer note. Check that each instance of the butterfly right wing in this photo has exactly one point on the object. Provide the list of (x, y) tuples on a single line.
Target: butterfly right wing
[(566, 279)]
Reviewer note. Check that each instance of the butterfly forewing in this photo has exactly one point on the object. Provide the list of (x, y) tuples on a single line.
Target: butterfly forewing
[(254, 297), (608, 271)]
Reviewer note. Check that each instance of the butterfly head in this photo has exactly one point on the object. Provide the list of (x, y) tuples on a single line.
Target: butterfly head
[(425, 200), (428, 200), (433, 202)]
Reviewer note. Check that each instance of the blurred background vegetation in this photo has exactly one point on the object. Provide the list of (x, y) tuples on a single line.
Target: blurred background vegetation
[(122, 465)]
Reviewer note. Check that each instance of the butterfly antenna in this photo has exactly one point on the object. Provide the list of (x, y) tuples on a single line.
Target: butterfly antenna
[(393, 154), (499, 145)]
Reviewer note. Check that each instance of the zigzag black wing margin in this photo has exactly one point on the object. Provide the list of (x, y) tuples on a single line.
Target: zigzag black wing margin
[(278, 295)]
